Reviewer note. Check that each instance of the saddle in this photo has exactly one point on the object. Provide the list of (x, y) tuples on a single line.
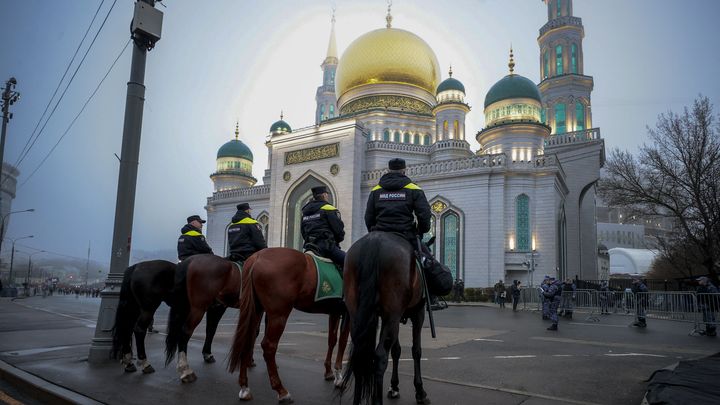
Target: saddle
[(329, 284)]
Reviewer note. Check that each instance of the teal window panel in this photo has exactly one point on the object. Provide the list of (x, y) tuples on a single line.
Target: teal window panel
[(522, 222)]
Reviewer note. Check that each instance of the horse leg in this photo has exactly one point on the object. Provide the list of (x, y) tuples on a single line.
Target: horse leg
[(275, 325), (394, 391), (344, 333), (417, 323), (212, 319), (333, 322), (248, 361), (140, 332), (187, 375), (388, 337)]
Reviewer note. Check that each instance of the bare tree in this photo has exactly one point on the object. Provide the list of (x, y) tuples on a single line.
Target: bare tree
[(677, 176)]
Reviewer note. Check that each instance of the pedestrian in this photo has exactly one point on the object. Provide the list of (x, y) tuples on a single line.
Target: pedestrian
[(459, 290), (398, 205), (244, 235), (708, 303), (191, 241), (567, 298), (515, 292), (497, 289), (501, 299), (639, 291), (321, 227), (545, 300), (604, 298), (553, 293)]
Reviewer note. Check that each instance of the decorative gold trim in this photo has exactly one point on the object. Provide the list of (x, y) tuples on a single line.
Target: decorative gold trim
[(334, 169), (438, 207), (389, 102), (310, 154)]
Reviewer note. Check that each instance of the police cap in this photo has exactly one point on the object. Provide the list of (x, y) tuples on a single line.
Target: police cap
[(396, 164), (319, 190), (243, 207), (195, 218)]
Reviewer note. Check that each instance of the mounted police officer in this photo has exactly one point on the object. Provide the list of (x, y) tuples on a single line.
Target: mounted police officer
[(244, 235), (321, 227), (393, 206), (191, 241)]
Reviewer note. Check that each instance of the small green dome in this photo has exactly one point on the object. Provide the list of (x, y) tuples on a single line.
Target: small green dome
[(512, 86), (450, 84), (235, 149), (280, 126)]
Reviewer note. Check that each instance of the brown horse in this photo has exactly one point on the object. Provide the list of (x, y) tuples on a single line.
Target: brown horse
[(203, 283), (275, 281), (382, 281)]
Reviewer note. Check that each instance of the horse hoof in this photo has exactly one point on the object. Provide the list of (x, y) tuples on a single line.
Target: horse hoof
[(252, 363), (392, 394), (209, 358), (329, 376), (287, 399), (130, 368), (423, 401), (245, 394), (189, 378), (338, 378), (148, 369)]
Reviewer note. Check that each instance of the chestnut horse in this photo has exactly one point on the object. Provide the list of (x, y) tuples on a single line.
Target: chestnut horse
[(276, 280), (382, 281), (203, 284)]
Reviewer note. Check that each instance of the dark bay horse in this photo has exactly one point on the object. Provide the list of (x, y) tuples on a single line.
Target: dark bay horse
[(203, 284), (382, 281), (276, 280)]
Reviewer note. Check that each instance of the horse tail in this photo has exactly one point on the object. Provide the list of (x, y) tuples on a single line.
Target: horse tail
[(179, 311), (245, 333), (126, 316), (365, 323)]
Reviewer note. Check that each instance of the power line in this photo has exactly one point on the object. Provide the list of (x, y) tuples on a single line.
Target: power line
[(58, 254), (76, 116), (87, 51), (67, 69)]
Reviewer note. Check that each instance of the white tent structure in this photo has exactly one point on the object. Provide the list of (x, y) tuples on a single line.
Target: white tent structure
[(631, 261)]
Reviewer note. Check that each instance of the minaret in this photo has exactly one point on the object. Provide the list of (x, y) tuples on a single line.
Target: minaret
[(450, 112), (564, 87), (325, 96)]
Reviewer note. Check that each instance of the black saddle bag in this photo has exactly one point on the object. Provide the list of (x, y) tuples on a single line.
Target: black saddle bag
[(439, 279)]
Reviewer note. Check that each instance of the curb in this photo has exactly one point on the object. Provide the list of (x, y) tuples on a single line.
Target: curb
[(40, 389)]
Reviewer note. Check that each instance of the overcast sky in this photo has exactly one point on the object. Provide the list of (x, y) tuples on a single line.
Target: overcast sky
[(222, 61)]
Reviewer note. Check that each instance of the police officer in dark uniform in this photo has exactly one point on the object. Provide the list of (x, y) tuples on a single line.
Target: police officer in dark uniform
[(191, 241), (393, 206), (244, 235), (321, 227)]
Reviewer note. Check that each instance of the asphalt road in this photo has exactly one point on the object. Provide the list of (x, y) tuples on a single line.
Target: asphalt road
[(482, 354)]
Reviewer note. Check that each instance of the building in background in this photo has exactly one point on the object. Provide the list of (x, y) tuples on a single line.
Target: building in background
[(526, 196)]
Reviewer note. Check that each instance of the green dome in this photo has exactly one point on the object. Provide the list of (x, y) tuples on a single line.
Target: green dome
[(235, 149), (512, 86), (450, 84), (280, 126)]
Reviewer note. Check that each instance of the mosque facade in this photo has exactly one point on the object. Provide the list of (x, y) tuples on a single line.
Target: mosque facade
[(520, 207)]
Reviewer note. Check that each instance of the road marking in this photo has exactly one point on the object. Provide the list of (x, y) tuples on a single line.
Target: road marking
[(633, 354), (488, 340), (449, 358), (629, 346), (301, 323), (7, 399), (57, 313), (562, 355), (423, 359), (507, 390), (524, 356), (596, 324), (35, 351)]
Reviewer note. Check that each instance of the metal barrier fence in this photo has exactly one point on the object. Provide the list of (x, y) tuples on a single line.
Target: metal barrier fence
[(702, 310)]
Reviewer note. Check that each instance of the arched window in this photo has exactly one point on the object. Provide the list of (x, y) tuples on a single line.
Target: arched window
[(543, 116), (450, 243), (559, 8), (396, 136), (428, 139), (332, 111), (579, 116), (445, 129), (522, 222), (406, 137), (322, 112), (560, 127), (386, 135), (573, 59), (546, 64), (430, 234), (558, 60), (456, 130), (416, 139), (264, 225)]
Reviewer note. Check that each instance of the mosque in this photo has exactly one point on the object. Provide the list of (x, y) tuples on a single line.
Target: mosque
[(520, 207)]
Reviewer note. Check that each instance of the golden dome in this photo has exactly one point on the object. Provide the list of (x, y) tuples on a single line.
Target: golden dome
[(387, 55)]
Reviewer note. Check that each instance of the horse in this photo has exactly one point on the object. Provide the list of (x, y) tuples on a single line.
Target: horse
[(275, 281), (203, 283), (382, 281)]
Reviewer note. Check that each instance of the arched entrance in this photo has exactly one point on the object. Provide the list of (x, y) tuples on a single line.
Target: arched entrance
[(299, 196)]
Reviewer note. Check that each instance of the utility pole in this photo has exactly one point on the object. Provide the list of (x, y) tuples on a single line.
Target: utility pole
[(87, 265), (9, 97), (145, 32)]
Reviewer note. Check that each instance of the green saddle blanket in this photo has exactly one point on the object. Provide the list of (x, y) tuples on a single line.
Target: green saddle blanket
[(329, 283)]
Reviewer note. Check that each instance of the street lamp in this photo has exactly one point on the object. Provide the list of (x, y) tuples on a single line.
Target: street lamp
[(30, 255), (530, 264), (12, 255), (2, 224)]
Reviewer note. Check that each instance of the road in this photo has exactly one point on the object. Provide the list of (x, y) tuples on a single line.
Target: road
[(482, 353)]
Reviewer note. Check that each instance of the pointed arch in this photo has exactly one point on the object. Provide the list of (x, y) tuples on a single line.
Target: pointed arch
[(295, 198), (448, 227)]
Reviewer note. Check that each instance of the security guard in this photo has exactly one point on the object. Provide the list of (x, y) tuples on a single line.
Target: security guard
[(321, 227), (244, 235), (553, 293), (191, 241)]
